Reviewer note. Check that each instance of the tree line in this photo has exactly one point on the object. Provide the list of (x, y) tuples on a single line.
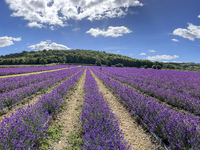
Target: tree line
[(78, 56)]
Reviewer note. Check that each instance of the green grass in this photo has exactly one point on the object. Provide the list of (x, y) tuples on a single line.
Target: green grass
[(54, 135)]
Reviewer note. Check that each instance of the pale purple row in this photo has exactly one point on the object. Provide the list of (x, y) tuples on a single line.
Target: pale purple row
[(161, 84), (13, 97), (10, 71), (11, 83), (178, 131), (101, 127), (184, 82), (21, 130)]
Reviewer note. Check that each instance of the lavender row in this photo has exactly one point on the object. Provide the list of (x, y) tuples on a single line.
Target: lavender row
[(13, 97), (187, 83), (10, 71), (11, 83), (23, 128), (100, 125), (177, 130), (171, 97)]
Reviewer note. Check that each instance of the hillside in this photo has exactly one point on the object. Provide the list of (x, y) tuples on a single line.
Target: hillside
[(72, 56), (88, 57)]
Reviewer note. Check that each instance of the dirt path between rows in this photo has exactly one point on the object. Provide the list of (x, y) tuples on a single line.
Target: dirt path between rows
[(30, 101), (184, 112), (23, 104), (133, 132), (69, 116)]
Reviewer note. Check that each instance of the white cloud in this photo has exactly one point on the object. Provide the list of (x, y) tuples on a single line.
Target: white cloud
[(112, 31), (177, 61), (131, 54), (199, 16), (76, 29), (152, 51), (48, 45), (117, 52), (58, 46), (191, 33), (175, 40), (142, 54), (52, 28), (7, 41), (161, 57), (58, 12), (34, 24)]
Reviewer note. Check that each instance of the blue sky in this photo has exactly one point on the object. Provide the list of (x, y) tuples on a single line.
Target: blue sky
[(162, 30)]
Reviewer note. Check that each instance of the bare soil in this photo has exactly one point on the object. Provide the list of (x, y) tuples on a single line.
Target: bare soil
[(31, 100), (184, 112), (38, 72), (69, 116), (24, 104), (134, 133)]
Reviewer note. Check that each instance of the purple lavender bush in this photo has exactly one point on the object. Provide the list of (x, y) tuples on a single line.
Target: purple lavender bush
[(100, 125), (179, 131), (21, 129), (13, 97), (24, 127), (10, 71), (12, 83), (178, 91)]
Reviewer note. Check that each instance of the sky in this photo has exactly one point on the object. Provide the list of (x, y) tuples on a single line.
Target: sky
[(157, 30)]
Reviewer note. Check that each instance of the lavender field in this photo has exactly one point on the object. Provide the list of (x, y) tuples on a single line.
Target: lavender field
[(20, 70), (167, 103)]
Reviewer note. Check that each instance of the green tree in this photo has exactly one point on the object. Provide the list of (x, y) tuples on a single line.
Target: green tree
[(43, 61), (108, 63), (21, 61), (156, 67), (119, 65), (98, 62), (145, 66)]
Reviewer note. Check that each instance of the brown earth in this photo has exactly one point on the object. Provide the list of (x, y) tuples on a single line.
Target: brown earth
[(69, 116), (134, 133), (38, 72), (29, 101), (184, 112)]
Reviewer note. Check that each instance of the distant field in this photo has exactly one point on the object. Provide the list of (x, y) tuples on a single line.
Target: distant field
[(21, 70), (107, 102), (25, 65)]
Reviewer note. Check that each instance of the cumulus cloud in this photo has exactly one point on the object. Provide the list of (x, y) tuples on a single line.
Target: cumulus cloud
[(191, 33), (52, 28), (34, 24), (175, 40), (199, 16), (57, 12), (152, 51), (142, 54), (76, 29), (177, 61), (117, 52), (111, 31), (7, 41), (162, 57), (48, 45)]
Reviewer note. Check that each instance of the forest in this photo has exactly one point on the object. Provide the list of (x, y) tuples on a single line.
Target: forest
[(88, 57)]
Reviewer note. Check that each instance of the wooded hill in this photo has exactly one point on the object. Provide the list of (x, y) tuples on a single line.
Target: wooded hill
[(78, 56)]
